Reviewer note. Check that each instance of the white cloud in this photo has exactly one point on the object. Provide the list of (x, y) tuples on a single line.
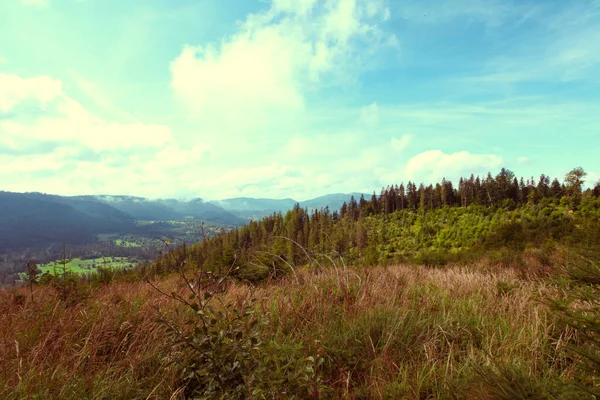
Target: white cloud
[(14, 89), (263, 73), (50, 142), (249, 96), (97, 95), (592, 179), (59, 118), (244, 79), (301, 7), (433, 165), (523, 160)]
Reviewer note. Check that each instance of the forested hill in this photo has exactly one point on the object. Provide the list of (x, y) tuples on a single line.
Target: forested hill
[(30, 220), (497, 216), (35, 219), (167, 209)]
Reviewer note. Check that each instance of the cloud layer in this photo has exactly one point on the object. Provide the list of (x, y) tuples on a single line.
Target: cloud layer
[(293, 98)]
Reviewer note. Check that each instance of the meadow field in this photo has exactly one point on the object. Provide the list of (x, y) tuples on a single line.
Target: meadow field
[(80, 266), (480, 331)]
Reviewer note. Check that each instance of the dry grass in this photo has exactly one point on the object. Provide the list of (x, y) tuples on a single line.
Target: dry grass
[(394, 332), (107, 347), (415, 332)]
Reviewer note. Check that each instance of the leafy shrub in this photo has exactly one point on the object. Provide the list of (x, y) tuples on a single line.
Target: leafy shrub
[(223, 349)]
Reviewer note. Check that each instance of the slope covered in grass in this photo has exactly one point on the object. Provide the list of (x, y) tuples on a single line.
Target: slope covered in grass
[(401, 331)]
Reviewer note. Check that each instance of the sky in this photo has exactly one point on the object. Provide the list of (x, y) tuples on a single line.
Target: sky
[(293, 98)]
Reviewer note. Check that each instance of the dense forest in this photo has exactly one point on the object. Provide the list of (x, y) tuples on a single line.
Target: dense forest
[(498, 217)]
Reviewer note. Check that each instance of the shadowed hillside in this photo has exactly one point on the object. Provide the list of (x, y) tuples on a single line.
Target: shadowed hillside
[(34, 219)]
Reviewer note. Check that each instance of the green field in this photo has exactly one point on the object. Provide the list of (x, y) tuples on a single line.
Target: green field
[(80, 266), (125, 243)]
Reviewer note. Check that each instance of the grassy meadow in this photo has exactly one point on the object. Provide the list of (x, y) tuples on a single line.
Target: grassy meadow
[(125, 243), (80, 266), (474, 332)]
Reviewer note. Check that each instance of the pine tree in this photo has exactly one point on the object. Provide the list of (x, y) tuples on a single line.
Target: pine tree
[(374, 203), (543, 187), (556, 190)]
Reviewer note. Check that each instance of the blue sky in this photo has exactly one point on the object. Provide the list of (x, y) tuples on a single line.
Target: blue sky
[(292, 98)]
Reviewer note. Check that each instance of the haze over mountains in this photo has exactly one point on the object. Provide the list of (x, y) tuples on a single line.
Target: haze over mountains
[(247, 207), (36, 219)]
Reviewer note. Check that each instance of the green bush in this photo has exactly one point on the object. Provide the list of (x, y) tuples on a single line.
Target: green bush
[(225, 350)]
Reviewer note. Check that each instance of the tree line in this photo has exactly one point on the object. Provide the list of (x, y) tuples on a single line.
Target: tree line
[(404, 223)]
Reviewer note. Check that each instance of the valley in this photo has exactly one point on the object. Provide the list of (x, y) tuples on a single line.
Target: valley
[(99, 227)]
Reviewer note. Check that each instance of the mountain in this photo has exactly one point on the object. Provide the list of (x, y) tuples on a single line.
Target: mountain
[(247, 207), (36, 219), (138, 207), (253, 208), (169, 209), (333, 201)]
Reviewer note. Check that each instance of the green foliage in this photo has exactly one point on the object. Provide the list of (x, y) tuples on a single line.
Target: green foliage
[(497, 217), (86, 267), (104, 275), (67, 284), (224, 350)]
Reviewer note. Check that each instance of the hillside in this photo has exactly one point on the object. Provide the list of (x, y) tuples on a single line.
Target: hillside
[(30, 220), (332, 201), (34, 219), (168, 209), (252, 208), (499, 217), (487, 291), (411, 332)]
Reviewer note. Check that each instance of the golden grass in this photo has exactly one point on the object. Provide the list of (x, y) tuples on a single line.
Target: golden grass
[(385, 332)]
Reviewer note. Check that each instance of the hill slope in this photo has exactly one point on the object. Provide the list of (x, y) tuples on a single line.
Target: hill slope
[(169, 209), (35, 219)]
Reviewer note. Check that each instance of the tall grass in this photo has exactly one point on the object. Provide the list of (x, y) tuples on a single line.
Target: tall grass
[(107, 347), (416, 332), (382, 333)]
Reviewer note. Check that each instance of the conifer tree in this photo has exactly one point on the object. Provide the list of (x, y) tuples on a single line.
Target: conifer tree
[(374, 203)]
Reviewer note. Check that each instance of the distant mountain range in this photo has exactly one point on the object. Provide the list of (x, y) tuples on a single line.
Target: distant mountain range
[(252, 208), (37, 219), (167, 209)]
